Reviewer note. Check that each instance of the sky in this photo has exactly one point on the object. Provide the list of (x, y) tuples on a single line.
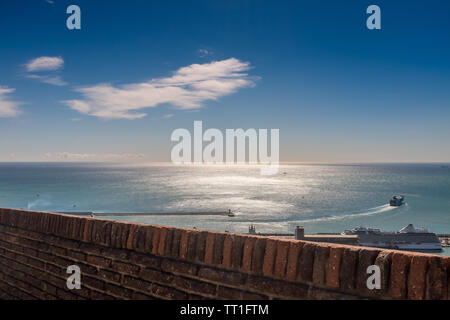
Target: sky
[(137, 70)]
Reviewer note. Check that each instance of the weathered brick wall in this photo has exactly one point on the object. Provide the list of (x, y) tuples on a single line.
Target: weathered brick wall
[(122, 260)]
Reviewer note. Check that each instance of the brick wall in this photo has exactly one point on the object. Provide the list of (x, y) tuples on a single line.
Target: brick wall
[(121, 260)]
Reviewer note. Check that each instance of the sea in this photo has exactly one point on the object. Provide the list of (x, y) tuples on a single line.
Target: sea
[(321, 197)]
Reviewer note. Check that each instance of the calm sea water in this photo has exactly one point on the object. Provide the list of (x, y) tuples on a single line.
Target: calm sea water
[(323, 198)]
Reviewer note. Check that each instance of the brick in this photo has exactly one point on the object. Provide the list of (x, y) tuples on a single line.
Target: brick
[(281, 259), (366, 258), (253, 296), (306, 262), (155, 240), (448, 277), (179, 267), (87, 230), (118, 291), (348, 269), (333, 270), (93, 282), (227, 247), (229, 293), (237, 252), (399, 274), (209, 248), (99, 232), (163, 235), (125, 267), (384, 261), (168, 293), (131, 237), (184, 244), (141, 296), (109, 275), (293, 255), (195, 286), (247, 254), (97, 295), (136, 283), (87, 268), (80, 256), (192, 245), (436, 279), (279, 288), (258, 255), (200, 246), (145, 260), (149, 233), (218, 248), (416, 278), (222, 276), (66, 295), (175, 246), (124, 232), (113, 253), (320, 265), (53, 250), (322, 294), (98, 261), (152, 275), (269, 257), (139, 238)]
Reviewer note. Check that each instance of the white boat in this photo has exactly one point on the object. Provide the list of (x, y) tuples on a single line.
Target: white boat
[(407, 238), (397, 201)]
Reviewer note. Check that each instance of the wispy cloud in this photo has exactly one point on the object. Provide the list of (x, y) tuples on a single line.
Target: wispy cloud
[(47, 69), (204, 52), (93, 157), (54, 80), (44, 64), (188, 88), (168, 116), (8, 108)]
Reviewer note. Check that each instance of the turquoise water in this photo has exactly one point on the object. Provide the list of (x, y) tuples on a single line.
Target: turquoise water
[(323, 198)]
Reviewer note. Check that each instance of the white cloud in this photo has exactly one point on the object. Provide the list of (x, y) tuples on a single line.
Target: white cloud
[(204, 52), (44, 64), (8, 108), (186, 89), (54, 80), (92, 157), (50, 66)]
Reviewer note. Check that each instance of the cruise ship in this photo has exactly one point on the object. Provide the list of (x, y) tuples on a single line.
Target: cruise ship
[(407, 238)]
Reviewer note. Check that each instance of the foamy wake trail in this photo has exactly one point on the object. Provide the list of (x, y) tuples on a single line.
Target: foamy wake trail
[(368, 212), (39, 203)]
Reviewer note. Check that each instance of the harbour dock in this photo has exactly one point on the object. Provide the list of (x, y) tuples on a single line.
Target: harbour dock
[(300, 235), (116, 214)]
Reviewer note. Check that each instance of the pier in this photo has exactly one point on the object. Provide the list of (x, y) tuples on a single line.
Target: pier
[(116, 214), (300, 235)]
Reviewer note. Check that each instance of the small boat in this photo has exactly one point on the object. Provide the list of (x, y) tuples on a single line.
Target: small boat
[(397, 201), (230, 214)]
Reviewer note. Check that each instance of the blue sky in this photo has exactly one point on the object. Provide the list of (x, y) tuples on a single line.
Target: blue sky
[(137, 70)]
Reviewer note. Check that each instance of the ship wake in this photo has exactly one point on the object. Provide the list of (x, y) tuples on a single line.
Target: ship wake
[(368, 212)]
